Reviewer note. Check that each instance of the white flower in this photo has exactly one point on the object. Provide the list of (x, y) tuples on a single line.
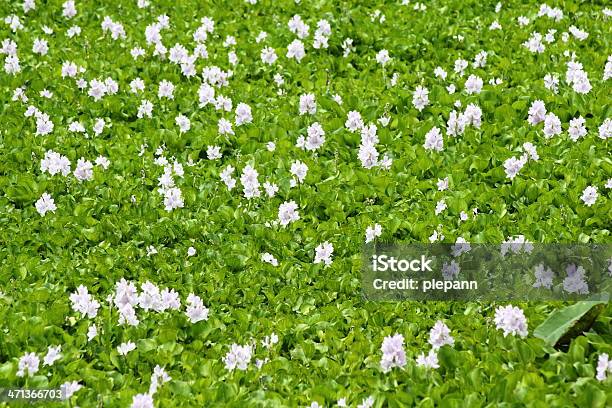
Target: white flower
[(440, 206), (544, 277), (125, 348), (323, 253), (433, 140), (213, 152), (53, 354), (450, 270), (576, 128), (112, 87), (84, 170), (159, 377), (439, 335), (393, 353), (420, 98), (11, 65), (226, 177), (142, 401), (382, 57), (268, 56), (308, 104), (372, 232), (69, 388), (238, 357), (249, 182), (73, 31), (589, 195), (173, 199), (44, 204), (575, 281), (145, 109), (92, 332), (287, 213), (223, 103), (577, 77), (552, 125), (76, 127), (442, 184), (384, 120), (608, 69), (605, 130), (514, 244), (537, 112), (225, 127), (531, 151), (97, 89), (299, 170), (44, 126), (604, 366), (69, 10), (551, 82), (191, 251), (196, 311), (271, 189), (269, 258), (127, 313), (98, 126), (137, 85), (296, 50), (480, 60), (166, 90), (298, 27), (534, 43), (40, 47), (347, 47), (473, 85), (353, 121), (54, 163), (28, 5), (316, 137), (367, 402), (428, 361), (439, 72), (368, 155), (513, 165), (84, 303), (102, 162), (243, 114), (461, 246), (495, 25), (511, 320), (460, 66), (261, 37), (137, 52), (183, 123), (29, 363), (578, 33)]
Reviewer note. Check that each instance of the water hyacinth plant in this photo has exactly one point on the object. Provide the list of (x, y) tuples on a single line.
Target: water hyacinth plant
[(186, 188)]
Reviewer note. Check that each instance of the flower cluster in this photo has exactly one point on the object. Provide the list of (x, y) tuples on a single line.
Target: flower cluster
[(511, 320)]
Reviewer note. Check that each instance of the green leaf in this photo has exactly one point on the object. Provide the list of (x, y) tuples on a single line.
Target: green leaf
[(569, 322)]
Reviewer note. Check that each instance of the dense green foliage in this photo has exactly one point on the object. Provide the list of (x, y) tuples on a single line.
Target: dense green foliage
[(329, 338)]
